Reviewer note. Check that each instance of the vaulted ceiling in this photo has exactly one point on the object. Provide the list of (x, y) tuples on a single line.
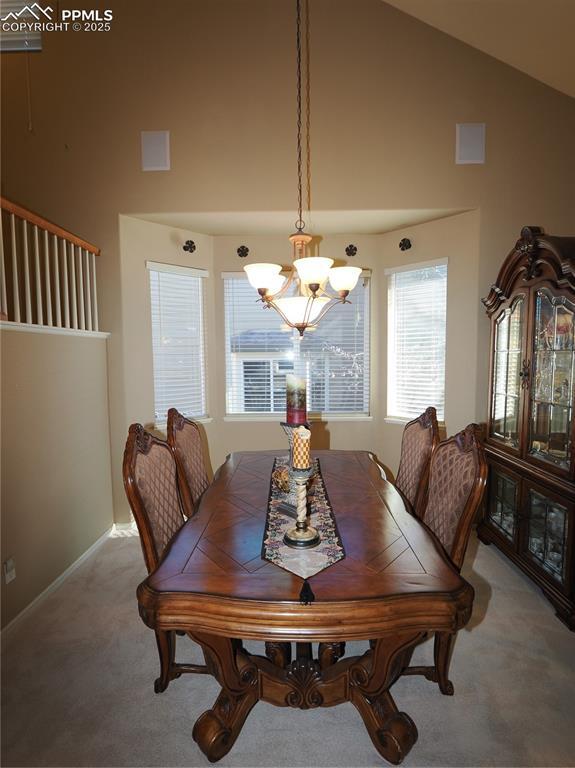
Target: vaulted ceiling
[(534, 36)]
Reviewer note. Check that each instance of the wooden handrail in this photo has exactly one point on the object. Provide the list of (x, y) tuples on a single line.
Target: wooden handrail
[(54, 229)]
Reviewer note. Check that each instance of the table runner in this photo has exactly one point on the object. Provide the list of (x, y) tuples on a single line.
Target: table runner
[(302, 562)]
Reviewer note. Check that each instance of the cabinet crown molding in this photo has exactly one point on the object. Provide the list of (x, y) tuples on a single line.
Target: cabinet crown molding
[(535, 255)]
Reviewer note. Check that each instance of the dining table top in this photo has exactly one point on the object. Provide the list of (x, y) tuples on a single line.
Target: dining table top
[(394, 575)]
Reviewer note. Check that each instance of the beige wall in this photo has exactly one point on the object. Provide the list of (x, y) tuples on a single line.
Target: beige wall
[(56, 489), (387, 91), (498, 29), (457, 239), (142, 241)]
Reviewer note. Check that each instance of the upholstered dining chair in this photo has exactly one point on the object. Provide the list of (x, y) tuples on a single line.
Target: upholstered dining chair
[(149, 471), (185, 440), (420, 437), (457, 478)]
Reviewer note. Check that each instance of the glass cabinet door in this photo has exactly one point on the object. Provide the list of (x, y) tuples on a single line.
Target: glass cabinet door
[(505, 406), (551, 390), (503, 502), (547, 523)]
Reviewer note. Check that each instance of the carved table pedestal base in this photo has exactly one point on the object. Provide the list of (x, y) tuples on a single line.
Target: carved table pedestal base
[(306, 683)]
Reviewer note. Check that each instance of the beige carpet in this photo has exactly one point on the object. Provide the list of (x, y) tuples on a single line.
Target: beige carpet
[(78, 673)]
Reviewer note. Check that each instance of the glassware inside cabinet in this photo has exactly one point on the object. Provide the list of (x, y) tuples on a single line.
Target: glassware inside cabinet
[(506, 374), (552, 380), (562, 375), (547, 533), (503, 503)]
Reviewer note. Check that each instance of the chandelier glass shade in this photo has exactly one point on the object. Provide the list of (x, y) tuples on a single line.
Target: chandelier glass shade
[(301, 311), (263, 275), (301, 298), (312, 270)]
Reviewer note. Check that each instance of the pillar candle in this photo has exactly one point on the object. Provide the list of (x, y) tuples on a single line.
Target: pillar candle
[(301, 445), (296, 410)]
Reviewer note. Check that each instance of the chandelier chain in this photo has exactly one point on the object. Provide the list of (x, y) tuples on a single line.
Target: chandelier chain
[(309, 274), (300, 223)]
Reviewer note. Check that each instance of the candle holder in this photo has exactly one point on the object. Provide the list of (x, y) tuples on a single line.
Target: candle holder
[(303, 534), (289, 429)]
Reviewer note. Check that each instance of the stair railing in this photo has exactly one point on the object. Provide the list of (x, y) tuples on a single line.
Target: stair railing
[(47, 274)]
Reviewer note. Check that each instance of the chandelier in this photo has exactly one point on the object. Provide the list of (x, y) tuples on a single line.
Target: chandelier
[(301, 298)]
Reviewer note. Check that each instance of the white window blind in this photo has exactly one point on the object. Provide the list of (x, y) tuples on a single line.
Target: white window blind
[(260, 351), (18, 18), (417, 300), (177, 301)]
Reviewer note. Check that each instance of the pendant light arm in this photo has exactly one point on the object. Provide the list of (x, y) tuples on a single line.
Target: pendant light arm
[(307, 312), (326, 309), (340, 297), (270, 298)]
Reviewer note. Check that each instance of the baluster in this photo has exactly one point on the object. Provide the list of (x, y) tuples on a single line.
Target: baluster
[(27, 295), (65, 285), (73, 295), (81, 315), (57, 282), (47, 276), (95, 324), (38, 275), (15, 287), (88, 290), (3, 296)]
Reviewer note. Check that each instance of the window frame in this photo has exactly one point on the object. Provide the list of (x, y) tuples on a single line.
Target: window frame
[(391, 418), (202, 274), (313, 416)]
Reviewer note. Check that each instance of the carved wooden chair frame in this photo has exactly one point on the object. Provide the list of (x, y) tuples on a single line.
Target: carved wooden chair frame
[(469, 440), (176, 422), (140, 441), (466, 440), (427, 420)]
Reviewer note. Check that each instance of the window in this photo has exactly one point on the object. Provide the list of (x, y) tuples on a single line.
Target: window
[(177, 299), (260, 351), (416, 300), (18, 32)]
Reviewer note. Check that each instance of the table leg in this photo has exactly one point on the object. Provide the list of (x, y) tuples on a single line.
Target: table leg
[(166, 650), (443, 648), (279, 653), (392, 733), (218, 728), (329, 653)]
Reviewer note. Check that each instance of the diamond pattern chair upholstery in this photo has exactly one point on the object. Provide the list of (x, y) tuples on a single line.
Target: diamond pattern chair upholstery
[(149, 471), (457, 478), (420, 437), (185, 439)]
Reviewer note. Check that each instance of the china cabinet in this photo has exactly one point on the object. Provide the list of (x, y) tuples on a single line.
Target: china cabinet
[(530, 503)]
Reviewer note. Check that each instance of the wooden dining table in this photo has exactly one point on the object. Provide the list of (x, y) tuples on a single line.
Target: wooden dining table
[(393, 587)]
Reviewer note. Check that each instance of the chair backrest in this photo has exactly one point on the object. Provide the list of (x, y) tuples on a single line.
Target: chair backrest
[(457, 477), (420, 437), (149, 471), (185, 439)]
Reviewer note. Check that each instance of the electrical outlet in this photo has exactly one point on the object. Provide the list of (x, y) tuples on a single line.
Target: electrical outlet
[(9, 570)]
